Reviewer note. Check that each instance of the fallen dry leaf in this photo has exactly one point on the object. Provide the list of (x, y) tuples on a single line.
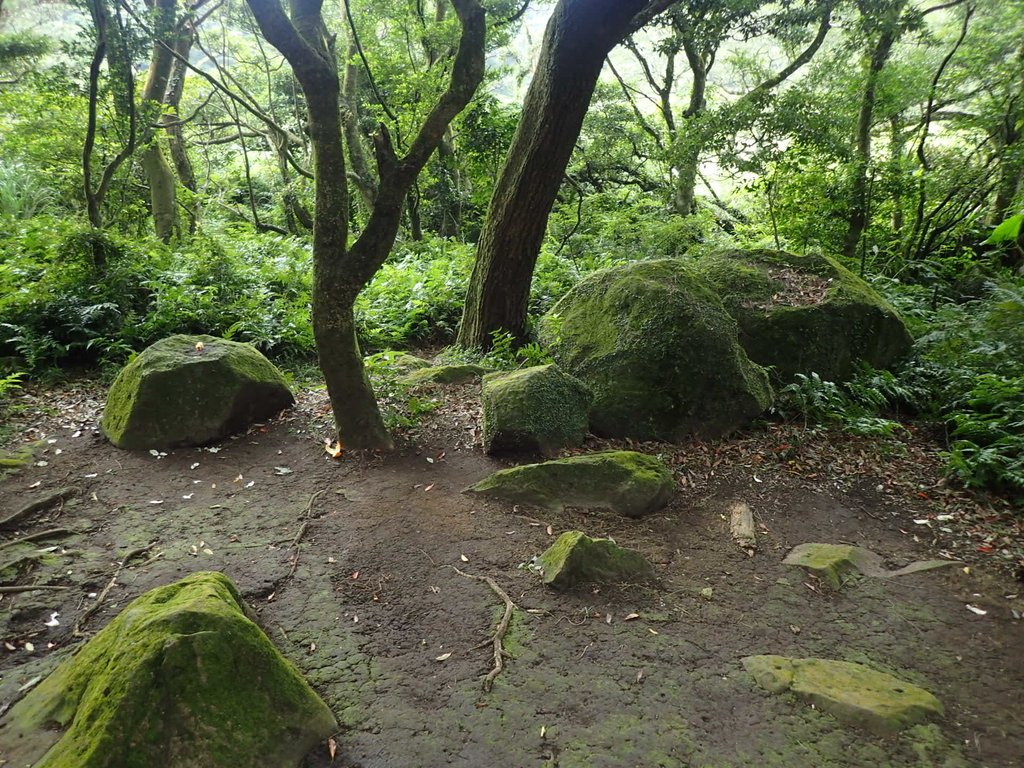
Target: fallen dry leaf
[(332, 748), (631, 616), (463, 558), (443, 656)]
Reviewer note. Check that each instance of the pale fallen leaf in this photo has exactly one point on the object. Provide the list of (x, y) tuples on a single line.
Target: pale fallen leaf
[(355, 619), (430, 459), (37, 483), (10, 647), (187, 496), (334, 450), (283, 470), (435, 590), (156, 501), (551, 531), (707, 592), (213, 449), (29, 647), (250, 484), (92, 475), (443, 656), (640, 676), (607, 618), (429, 487), (463, 558), (207, 551), (652, 631), (53, 620), (976, 610), (332, 747), (312, 647), (331, 560), (543, 731), (631, 616), (194, 465), (238, 479)]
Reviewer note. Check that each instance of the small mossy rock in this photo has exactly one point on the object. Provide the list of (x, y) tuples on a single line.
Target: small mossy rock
[(832, 563), (576, 557), (660, 352), (398, 362), (181, 678), (444, 374), (852, 693), (540, 410), (13, 461), (191, 390), (806, 314), (628, 483)]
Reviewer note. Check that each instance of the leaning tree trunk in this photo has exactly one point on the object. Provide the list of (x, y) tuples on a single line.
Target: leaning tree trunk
[(579, 36)]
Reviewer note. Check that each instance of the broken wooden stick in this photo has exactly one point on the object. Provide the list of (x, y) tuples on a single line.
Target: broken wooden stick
[(498, 638), (741, 523), (18, 588), (77, 631), (38, 505)]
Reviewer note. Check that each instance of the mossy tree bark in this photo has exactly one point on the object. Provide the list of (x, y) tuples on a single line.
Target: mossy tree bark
[(579, 36), (339, 273)]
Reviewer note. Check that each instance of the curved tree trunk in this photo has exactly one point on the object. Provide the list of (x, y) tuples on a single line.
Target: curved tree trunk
[(579, 36), (339, 273)]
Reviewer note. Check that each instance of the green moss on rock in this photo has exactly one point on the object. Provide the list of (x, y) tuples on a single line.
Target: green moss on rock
[(576, 557), (804, 314), (181, 678), (177, 394), (399, 362), (444, 374), (852, 693), (660, 352), (19, 458), (540, 409), (626, 482)]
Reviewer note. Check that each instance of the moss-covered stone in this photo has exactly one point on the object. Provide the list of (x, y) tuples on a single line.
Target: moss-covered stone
[(540, 409), (398, 362), (660, 352), (15, 460), (575, 558), (444, 374), (804, 314), (180, 678), (626, 482), (835, 563), (191, 390), (853, 693)]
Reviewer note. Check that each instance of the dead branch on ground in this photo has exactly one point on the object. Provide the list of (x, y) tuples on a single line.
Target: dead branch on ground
[(498, 638)]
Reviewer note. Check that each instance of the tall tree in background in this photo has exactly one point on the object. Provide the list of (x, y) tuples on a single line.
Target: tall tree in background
[(340, 271), (578, 38)]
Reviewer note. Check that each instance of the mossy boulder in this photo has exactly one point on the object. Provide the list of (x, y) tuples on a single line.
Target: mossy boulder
[(852, 693), (181, 678), (804, 314), (398, 362), (576, 557), (17, 459), (629, 483), (444, 374), (660, 352), (539, 410), (191, 390)]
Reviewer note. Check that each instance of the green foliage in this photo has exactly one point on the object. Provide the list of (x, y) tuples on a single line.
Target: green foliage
[(416, 298), (853, 406), (9, 384), (23, 193), (400, 407)]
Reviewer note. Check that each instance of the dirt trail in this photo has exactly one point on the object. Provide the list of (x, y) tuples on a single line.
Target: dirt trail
[(373, 601)]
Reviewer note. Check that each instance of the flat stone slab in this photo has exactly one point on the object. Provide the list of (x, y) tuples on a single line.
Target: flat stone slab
[(444, 374), (626, 482), (180, 678), (576, 557), (834, 563), (853, 693)]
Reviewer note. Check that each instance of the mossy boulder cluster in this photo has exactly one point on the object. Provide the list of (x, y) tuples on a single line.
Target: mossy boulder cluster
[(803, 314), (852, 693), (181, 678), (191, 390), (576, 557), (659, 351), (628, 483), (672, 348), (539, 410)]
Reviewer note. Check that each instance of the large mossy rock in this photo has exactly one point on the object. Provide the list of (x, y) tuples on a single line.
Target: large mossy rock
[(804, 314), (629, 483), (852, 693), (539, 410), (576, 557), (181, 678), (191, 390), (461, 373), (660, 352)]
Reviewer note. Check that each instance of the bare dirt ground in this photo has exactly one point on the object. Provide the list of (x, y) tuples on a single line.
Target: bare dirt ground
[(353, 568)]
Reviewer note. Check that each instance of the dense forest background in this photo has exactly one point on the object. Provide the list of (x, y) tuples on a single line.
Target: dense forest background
[(370, 170)]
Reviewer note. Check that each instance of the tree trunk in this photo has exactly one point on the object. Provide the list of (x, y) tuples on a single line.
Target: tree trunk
[(162, 184), (858, 219), (579, 36), (340, 273)]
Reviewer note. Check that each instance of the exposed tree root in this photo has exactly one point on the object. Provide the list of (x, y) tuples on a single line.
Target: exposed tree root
[(498, 638), (19, 588), (302, 532), (77, 631), (38, 505), (48, 534)]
